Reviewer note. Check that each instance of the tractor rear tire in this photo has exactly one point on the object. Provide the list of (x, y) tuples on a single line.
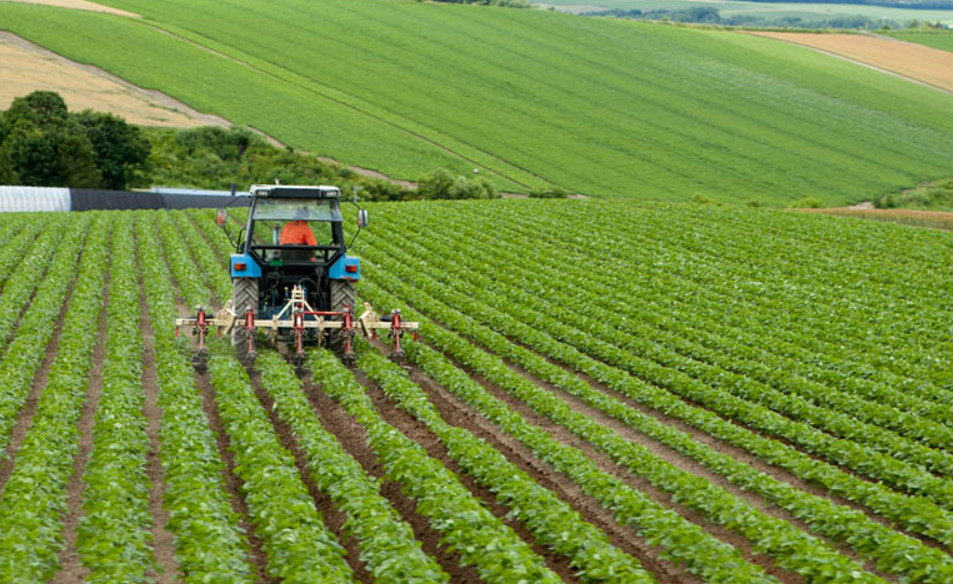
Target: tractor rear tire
[(342, 298), (244, 297)]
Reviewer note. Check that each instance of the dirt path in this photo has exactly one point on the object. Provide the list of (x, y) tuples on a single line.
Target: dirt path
[(916, 63), (78, 5), (26, 67)]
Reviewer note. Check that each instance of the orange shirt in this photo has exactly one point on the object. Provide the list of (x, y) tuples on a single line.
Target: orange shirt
[(297, 233)]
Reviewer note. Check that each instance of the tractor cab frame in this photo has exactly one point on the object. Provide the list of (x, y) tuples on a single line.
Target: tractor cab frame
[(292, 277)]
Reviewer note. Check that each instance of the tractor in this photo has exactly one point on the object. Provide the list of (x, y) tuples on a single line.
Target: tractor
[(292, 279)]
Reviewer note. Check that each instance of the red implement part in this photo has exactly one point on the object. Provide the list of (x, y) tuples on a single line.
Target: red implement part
[(250, 330)]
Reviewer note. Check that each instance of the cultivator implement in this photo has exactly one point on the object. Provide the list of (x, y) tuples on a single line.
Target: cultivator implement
[(297, 325)]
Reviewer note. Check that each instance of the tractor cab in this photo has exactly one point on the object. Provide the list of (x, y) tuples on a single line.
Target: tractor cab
[(288, 228)]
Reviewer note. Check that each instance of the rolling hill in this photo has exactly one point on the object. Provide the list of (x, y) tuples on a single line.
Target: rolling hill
[(529, 97)]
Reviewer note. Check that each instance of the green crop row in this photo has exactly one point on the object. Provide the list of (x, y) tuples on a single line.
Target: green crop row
[(33, 501), (188, 277), (210, 545), (640, 357), (113, 536), (35, 330), (554, 523), (27, 258), (892, 547), (862, 421), (789, 546), (22, 234), (468, 528), (218, 280), (919, 514), (300, 547), (386, 541), (682, 541)]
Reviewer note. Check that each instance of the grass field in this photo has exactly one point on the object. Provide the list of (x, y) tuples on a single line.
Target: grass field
[(667, 394), (603, 108), (942, 40)]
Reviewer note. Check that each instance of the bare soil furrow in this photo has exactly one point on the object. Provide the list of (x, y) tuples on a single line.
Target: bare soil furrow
[(163, 546), (419, 433), (71, 569), (607, 465), (25, 419), (354, 439), (460, 414), (233, 484), (750, 459), (333, 517)]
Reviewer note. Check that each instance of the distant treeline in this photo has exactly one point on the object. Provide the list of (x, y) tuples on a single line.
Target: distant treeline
[(508, 3), (711, 15), (910, 4)]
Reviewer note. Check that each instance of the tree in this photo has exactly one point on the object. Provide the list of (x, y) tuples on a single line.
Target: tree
[(45, 109), (77, 163), (118, 149)]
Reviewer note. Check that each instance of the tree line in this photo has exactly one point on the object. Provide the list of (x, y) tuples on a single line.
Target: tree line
[(42, 143)]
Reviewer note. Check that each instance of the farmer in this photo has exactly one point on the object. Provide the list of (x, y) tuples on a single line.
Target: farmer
[(297, 232)]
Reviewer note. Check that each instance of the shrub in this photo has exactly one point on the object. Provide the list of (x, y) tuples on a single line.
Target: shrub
[(807, 203), (548, 193)]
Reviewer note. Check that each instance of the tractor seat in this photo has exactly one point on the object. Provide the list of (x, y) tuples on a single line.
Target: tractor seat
[(289, 253)]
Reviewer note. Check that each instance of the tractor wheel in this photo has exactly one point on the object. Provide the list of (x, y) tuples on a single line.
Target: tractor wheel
[(342, 297), (244, 297)]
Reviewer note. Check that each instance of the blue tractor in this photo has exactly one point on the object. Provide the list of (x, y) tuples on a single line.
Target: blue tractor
[(293, 279)]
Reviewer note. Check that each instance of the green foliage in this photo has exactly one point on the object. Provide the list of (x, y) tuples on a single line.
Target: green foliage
[(217, 158), (534, 96), (933, 196), (807, 203), (441, 184), (548, 193), (42, 144)]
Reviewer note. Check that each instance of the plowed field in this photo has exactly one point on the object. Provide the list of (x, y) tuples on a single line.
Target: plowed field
[(601, 392), (916, 62)]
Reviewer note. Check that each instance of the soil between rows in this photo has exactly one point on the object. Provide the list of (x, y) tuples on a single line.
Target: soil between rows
[(458, 413), (354, 439), (24, 420), (233, 484), (419, 433), (71, 569), (163, 546), (333, 517)]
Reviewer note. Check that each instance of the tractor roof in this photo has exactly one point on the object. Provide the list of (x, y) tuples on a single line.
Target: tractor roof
[(296, 192)]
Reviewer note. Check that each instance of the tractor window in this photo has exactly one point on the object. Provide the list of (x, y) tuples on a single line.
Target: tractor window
[(301, 209)]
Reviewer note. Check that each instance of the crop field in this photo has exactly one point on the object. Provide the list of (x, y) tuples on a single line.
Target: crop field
[(675, 394), (529, 98), (942, 40)]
